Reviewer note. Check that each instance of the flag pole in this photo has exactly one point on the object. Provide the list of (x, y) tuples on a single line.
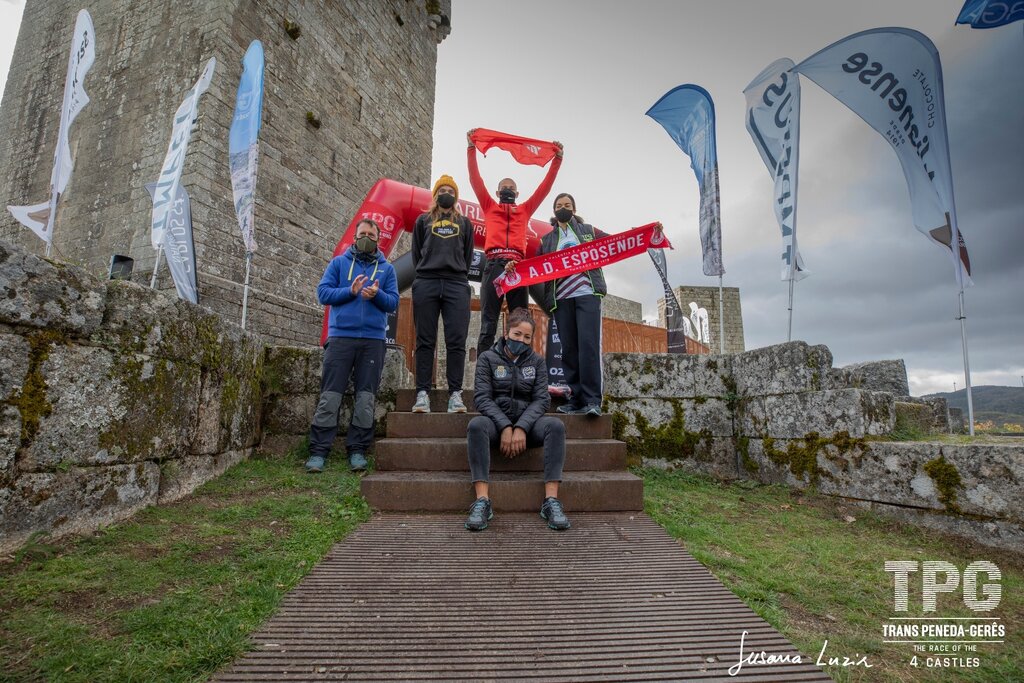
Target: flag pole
[(793, 261), (156, 266), (49, 222), (721, 318), (789, 335), (967, 364), (245, 290)]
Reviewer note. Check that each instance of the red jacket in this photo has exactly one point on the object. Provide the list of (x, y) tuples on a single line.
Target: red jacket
[(505, 224)]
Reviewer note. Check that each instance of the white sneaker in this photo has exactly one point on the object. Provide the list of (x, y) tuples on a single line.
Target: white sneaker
[(422, 404), (455, 404)]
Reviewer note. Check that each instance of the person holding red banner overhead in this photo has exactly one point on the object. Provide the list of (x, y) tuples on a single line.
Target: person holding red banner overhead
[(575, 304), (442, 251), (505, 221)]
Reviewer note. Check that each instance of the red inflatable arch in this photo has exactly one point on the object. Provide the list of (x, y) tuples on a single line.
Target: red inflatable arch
[(395, 207)]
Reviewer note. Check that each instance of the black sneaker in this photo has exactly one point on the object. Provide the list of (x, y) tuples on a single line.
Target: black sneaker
[(552, 511), (479, 514)]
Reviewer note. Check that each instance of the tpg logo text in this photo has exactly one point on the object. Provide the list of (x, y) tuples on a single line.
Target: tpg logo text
[(931, 585)]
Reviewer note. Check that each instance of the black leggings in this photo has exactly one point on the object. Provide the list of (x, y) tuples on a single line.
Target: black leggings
[(449, 299), (490, 303), (579, 329)]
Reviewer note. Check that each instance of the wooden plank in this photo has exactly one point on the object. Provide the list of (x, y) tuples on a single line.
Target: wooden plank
[(417, 597)]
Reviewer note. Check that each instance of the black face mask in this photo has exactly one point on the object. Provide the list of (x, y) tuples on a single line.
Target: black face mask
[(563, 215), (446, 201), (516, 347), (507, 195)]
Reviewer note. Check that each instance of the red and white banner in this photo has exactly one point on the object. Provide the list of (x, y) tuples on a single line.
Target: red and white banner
[(583, 257), (523, 150)]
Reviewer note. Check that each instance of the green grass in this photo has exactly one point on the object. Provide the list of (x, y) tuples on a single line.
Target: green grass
[(908, 432), (795, 560), (173, 594)]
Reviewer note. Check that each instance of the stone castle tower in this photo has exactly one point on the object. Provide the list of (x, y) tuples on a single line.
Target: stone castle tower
[(707, 297), (366, 69)]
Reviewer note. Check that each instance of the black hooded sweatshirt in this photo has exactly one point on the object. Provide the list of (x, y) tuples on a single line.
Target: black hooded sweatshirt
[(442, 249)]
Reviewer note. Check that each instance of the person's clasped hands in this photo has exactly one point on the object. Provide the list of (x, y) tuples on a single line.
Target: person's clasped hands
[(513, 441), (359, 286)]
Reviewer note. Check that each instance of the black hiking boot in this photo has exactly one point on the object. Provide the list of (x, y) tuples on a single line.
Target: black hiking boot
[(552, 511), (479, 514)]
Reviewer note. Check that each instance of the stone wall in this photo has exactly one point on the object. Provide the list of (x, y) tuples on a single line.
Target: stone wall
[(620, 308), (292, 388), (367, 69), (707, 297), (115, 397), (783, 414)]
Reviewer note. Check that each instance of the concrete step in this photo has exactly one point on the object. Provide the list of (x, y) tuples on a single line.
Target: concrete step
[(509, 492), (432, 454), (404, 399), (450, 425)]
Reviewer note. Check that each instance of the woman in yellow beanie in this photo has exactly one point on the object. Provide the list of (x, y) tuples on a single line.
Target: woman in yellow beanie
[(442, 251)]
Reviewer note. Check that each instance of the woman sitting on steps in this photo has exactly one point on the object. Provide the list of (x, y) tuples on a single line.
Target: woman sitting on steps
[(512, 397)]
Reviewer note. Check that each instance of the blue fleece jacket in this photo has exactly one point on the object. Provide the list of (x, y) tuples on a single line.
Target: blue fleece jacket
[(352, 315)]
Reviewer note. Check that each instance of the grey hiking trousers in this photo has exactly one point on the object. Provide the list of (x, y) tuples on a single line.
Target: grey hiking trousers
[(547, 431), (362, 361)]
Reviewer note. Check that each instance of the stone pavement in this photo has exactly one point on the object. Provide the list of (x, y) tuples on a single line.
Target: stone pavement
[(416, 597)]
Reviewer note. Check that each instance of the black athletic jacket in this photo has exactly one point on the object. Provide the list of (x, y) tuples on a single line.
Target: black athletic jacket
[(511, 393)]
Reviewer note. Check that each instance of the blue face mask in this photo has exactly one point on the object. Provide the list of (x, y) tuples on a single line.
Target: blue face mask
[(516, 347)]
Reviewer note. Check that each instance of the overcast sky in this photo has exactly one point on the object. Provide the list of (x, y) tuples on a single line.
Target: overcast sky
[(10, 19), (584, 72)]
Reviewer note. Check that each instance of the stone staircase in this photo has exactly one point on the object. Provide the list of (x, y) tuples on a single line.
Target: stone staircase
[(422, 464)]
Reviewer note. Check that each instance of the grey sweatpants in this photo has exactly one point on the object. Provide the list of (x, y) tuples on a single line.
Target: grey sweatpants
[(547, 431)]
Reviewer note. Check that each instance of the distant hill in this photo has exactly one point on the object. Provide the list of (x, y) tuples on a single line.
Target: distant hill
[(999, 404)]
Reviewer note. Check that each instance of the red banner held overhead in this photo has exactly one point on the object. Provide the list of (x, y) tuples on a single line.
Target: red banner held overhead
[(524, 150), (587, 256)]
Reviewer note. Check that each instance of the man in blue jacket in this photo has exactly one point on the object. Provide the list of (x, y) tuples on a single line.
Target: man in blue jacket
[(361, 288)]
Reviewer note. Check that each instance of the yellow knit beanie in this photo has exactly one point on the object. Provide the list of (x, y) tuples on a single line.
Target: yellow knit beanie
[(446, 180)]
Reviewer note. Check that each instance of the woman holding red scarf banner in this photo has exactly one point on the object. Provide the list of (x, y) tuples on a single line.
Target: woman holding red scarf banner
[(575, 304), (505, 221)]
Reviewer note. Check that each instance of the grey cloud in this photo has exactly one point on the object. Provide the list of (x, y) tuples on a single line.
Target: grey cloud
[(879, 288)]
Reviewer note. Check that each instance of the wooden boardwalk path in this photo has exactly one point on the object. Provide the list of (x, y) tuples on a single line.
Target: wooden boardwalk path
[(416, 597)]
